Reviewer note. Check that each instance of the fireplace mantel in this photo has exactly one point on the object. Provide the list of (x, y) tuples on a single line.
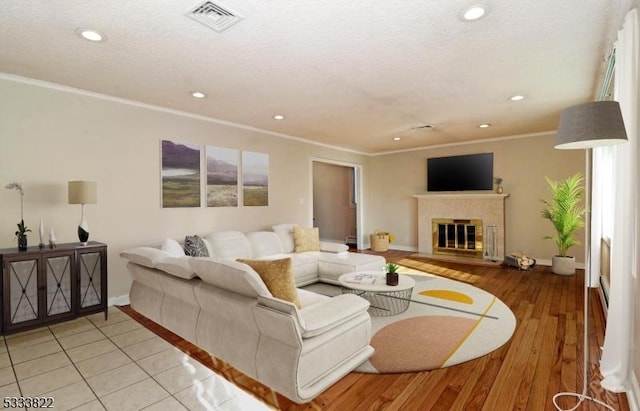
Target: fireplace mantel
[(461, 195), (488, 207)]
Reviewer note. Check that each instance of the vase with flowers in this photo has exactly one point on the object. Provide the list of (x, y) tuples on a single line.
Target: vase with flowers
[(21, 233)]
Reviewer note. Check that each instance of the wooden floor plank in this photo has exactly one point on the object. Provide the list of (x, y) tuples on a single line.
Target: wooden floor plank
[(543, 357)]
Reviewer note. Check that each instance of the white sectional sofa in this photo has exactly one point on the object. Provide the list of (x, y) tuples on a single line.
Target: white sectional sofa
[(224, 307)]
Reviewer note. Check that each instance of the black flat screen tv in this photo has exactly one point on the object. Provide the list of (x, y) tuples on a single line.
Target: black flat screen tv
[(460, 173)]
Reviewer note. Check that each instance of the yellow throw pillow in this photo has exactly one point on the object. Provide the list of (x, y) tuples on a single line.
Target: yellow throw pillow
[(306, 239), (277, 276)]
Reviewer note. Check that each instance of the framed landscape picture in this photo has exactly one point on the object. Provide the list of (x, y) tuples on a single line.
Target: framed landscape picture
[(180, 174), (255, 179), (222, 176)]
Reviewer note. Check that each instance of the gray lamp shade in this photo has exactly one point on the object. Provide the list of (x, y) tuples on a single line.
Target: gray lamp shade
[(591, 125), (83, 192)]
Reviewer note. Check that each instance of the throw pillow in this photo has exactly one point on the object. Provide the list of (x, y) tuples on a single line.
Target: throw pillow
[(277, 276), (195, 247), (306, 239)]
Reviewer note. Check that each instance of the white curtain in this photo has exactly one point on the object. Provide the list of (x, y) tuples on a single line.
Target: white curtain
[(616, 364), (598, 180)]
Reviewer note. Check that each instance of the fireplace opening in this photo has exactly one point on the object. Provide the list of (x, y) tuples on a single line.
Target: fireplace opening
[(457, 237)]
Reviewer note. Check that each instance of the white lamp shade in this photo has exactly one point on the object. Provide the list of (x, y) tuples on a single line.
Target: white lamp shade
[(591, 125), (83, 192)]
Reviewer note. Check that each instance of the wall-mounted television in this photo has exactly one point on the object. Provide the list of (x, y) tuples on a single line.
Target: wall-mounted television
[(460, 173)]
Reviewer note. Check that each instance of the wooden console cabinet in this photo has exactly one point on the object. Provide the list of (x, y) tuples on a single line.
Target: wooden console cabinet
[(46, 285)]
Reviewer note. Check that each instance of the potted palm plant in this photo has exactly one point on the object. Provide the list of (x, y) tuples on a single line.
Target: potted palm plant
[(392, 273), (566, 213)]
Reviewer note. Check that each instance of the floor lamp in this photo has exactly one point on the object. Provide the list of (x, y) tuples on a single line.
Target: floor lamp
[(586, 126)]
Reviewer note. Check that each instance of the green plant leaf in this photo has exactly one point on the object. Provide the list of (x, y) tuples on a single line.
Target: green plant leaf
[(392, 267), (565, 211)]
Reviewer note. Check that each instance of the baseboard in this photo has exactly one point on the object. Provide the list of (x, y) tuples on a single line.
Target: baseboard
[(121, 300), (634, 393), (547, 263), (403, 248)]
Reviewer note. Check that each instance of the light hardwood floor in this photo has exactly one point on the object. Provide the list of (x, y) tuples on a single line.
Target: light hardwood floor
[(543, 357)]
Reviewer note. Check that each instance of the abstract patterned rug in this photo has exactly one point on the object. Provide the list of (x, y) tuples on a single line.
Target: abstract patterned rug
[(456, 323)]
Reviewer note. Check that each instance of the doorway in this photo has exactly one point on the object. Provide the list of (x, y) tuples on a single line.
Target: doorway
[(336, 201)]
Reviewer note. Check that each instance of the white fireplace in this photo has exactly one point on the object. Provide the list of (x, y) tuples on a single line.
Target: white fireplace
[(462, 224)]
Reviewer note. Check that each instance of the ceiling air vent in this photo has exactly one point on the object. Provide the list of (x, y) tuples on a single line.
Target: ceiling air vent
[(215, 16)]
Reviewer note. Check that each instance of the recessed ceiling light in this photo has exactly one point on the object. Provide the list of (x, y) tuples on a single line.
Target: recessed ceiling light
[(90, 35), (474, 12), (397, 138), (278, 117), (517, 97), (485, 125), (198, 94)]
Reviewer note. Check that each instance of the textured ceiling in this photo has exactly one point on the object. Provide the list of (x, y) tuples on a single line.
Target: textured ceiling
[(352, 74)]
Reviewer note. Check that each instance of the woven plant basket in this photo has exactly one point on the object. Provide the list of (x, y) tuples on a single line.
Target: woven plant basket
[(379, 242)]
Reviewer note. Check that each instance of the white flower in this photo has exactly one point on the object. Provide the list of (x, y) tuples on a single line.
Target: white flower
[(17, 186)]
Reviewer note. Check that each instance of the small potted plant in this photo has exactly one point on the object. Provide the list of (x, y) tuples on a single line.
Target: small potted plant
[(21, 234), (392, 273), (565, 213)]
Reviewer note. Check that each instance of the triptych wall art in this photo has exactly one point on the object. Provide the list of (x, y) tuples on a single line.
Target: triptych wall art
[(181, 171)]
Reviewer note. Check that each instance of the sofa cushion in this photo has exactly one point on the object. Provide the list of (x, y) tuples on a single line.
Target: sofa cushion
[(172, 247), (278, 277), (264, 244), (323, 315), (285, 232), (304, 265), (332, 266), (335, 248), (207, 243), (229, 275), (194, 246), (146, 256), (306, 239), (309, 298), (178, 266), (229, 244)]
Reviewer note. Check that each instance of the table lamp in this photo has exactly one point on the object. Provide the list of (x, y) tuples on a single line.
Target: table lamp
[(83, 192)]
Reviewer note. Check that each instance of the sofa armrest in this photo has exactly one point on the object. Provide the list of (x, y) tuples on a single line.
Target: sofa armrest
[(323, 316), (333, 247)]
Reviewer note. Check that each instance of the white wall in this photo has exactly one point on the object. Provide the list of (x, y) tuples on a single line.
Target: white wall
[(522, 163), (50, 135)]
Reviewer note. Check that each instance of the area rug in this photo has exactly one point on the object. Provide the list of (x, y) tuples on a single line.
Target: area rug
[(447, 323)]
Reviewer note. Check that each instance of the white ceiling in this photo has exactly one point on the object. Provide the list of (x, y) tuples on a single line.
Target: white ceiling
[(352, 74)]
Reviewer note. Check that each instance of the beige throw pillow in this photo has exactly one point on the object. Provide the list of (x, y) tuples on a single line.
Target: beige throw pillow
[(306, 239), (277, 276)]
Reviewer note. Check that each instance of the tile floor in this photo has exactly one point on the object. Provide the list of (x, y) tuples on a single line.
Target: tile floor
[(92, 364)]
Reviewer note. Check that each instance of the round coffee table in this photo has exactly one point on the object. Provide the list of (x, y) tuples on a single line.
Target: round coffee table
[(385, 300)]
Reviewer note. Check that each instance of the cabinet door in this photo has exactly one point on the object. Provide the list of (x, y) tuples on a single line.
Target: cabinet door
[(58, 276), (92, 279), (21, 291)]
